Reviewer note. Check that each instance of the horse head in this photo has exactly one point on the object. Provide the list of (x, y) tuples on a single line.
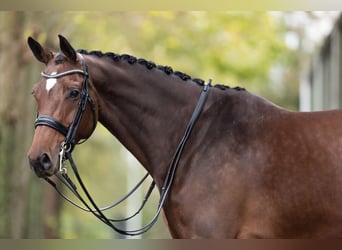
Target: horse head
[(66, 102)]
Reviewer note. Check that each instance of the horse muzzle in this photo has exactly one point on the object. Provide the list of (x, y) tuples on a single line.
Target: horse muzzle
[(43, 165)]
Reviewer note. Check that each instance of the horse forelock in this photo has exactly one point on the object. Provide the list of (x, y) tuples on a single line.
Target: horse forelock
[(151, 65)]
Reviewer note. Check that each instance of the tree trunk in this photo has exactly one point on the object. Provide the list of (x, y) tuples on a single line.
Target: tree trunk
[(23, 203)]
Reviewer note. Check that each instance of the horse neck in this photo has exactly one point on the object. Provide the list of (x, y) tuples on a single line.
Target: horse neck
[(145, 109)]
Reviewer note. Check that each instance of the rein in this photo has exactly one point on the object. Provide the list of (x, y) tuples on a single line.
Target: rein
[(67, 146)]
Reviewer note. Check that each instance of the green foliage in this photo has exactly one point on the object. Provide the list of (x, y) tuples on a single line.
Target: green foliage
[(234, 48)]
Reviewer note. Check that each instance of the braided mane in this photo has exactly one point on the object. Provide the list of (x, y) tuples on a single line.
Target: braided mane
[(151, 65)]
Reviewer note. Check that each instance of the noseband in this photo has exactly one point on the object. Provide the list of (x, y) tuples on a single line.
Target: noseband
[(69, 143), (70, 132)]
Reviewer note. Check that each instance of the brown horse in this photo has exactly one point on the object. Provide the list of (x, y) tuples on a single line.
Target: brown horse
[(250, 169)]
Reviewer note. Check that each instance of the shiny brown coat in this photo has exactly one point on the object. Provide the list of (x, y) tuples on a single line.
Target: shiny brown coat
[(249, 170)]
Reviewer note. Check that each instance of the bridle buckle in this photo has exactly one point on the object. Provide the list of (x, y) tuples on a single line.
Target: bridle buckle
[(65, 147)]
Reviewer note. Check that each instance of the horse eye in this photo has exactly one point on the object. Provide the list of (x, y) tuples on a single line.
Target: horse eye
[(74, 93)]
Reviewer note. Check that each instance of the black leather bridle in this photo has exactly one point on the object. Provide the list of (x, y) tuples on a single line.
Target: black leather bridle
[(70, 132), (69, 143)]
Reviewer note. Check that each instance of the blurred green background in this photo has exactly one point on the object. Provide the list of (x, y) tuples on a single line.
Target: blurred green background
[(264, 52)]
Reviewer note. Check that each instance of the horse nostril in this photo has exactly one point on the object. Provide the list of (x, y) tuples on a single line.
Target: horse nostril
[(45, 161)]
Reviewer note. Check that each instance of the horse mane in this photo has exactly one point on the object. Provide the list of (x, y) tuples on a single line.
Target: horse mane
[(151, 65)]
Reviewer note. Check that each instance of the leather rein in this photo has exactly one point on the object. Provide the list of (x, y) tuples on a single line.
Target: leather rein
[(68, 145)]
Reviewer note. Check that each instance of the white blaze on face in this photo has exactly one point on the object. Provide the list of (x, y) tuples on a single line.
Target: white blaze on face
[(50, 82)]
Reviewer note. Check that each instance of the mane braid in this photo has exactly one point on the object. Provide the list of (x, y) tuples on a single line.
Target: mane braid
[(151, 65)]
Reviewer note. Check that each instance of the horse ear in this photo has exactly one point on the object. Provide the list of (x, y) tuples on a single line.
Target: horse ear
[(42, 54), (67, 49)]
